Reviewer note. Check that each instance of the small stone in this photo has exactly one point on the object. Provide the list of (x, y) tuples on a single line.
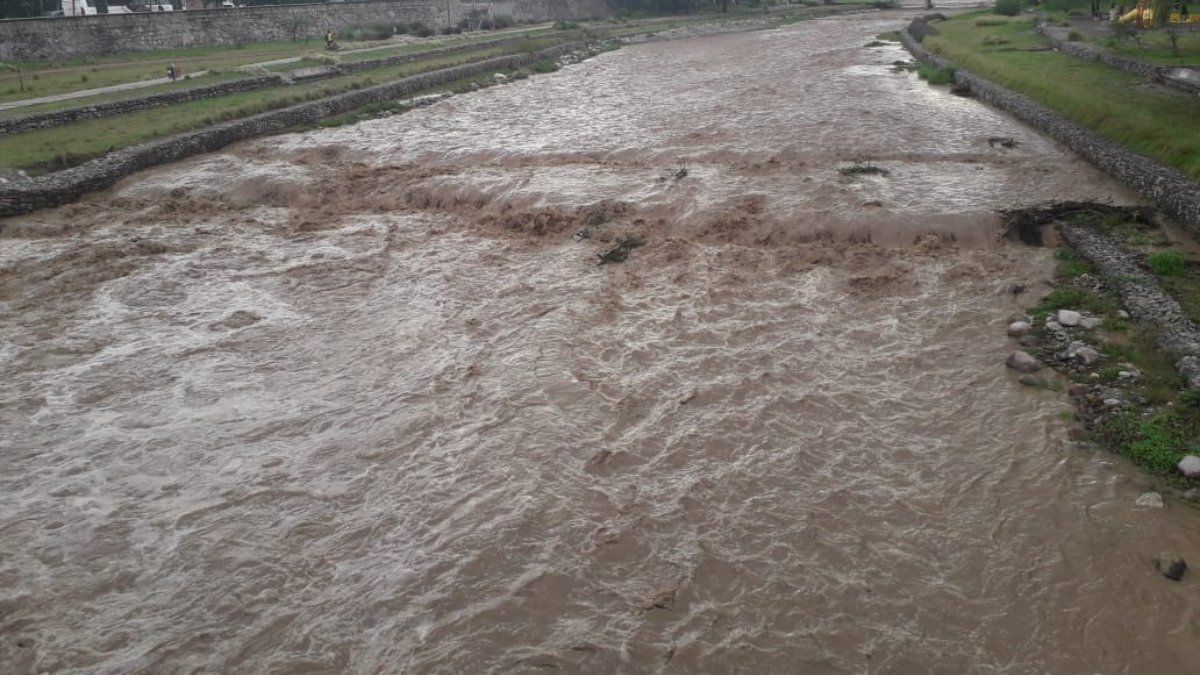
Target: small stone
[(1018, 328), (1150, 500), (1190, 466), (1171, 565), (1032, 381), (1122, 314), (1112, 402), (1028, 341), (1090, 322), (1053, 325), (1014, 289), (1087, 356), (500, 78), (1068, 317), (1192, 494), (1023, 362)]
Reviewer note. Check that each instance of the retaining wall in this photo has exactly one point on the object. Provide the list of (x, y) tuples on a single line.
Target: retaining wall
[(68, 185), (69, 37), (58, 117), (1057, 37), (1166, 189)]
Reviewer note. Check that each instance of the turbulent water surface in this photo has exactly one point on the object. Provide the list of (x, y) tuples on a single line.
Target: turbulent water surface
[(362, 400)]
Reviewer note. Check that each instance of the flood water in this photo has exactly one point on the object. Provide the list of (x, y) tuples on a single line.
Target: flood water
[(360, 400)]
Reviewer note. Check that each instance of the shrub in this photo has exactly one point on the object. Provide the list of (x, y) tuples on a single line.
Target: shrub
[(505, 21), (1190, 398), (935, 74), (1074, 36), (1007, 7), (565, 25), (487, 24), (1167, 263), (992, 40)]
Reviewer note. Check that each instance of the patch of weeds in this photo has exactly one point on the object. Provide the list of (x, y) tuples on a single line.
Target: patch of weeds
[(1167, 263), (620, 252), (1113, 324), (1074, 36), (1190, 398), (876, 43), (990, 23), (1007, 142), (1070, 264), (1156, 442), (1110, 373), (890, 36), (1073, 297), (935, 74), (994, 40), (863, 168), (903, 66), (546, 66)]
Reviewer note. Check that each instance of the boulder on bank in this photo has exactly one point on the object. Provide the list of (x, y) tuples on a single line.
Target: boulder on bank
[(1023, 362), (1150, 500), (1190, 466), (1171, 565), (1018, 328), (1069, 317)]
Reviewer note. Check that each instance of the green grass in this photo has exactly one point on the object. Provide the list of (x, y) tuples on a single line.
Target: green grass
[(1118, 105), (1167, 263), (1071, 264), (1156, 47), (935, 74), (53, 149), (1156, 442), (211, 78), (45, 78)]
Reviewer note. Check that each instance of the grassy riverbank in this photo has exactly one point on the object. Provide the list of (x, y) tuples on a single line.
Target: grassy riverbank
[(53, 149), (1155, 420), (51, 77), (1148, 119)]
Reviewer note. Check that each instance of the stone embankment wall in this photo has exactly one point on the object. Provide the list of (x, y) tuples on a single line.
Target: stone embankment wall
[(1058, 38), (1166, 189), (67, 186), (58, 117), (1142, 296), (69, 37)]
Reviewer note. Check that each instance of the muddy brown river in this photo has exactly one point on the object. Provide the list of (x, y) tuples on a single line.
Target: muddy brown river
[(361, 399)]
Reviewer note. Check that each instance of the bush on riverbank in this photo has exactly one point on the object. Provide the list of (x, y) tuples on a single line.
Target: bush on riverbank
[(935, 74), (1007, 7)]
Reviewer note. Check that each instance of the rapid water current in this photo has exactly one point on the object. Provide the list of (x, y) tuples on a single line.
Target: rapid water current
[(362, 400)]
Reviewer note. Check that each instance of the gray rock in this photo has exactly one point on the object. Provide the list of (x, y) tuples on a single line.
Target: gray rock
[(1032, 381), (1090, 322), (1069, 317), (1190, 466), (1192, 494), (1053, 325), (1113, 403), (1150, 500), (1018, 328), (1086, 355), (1171, 564), (1028, 341), (1023, 362), (1122, 314)]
